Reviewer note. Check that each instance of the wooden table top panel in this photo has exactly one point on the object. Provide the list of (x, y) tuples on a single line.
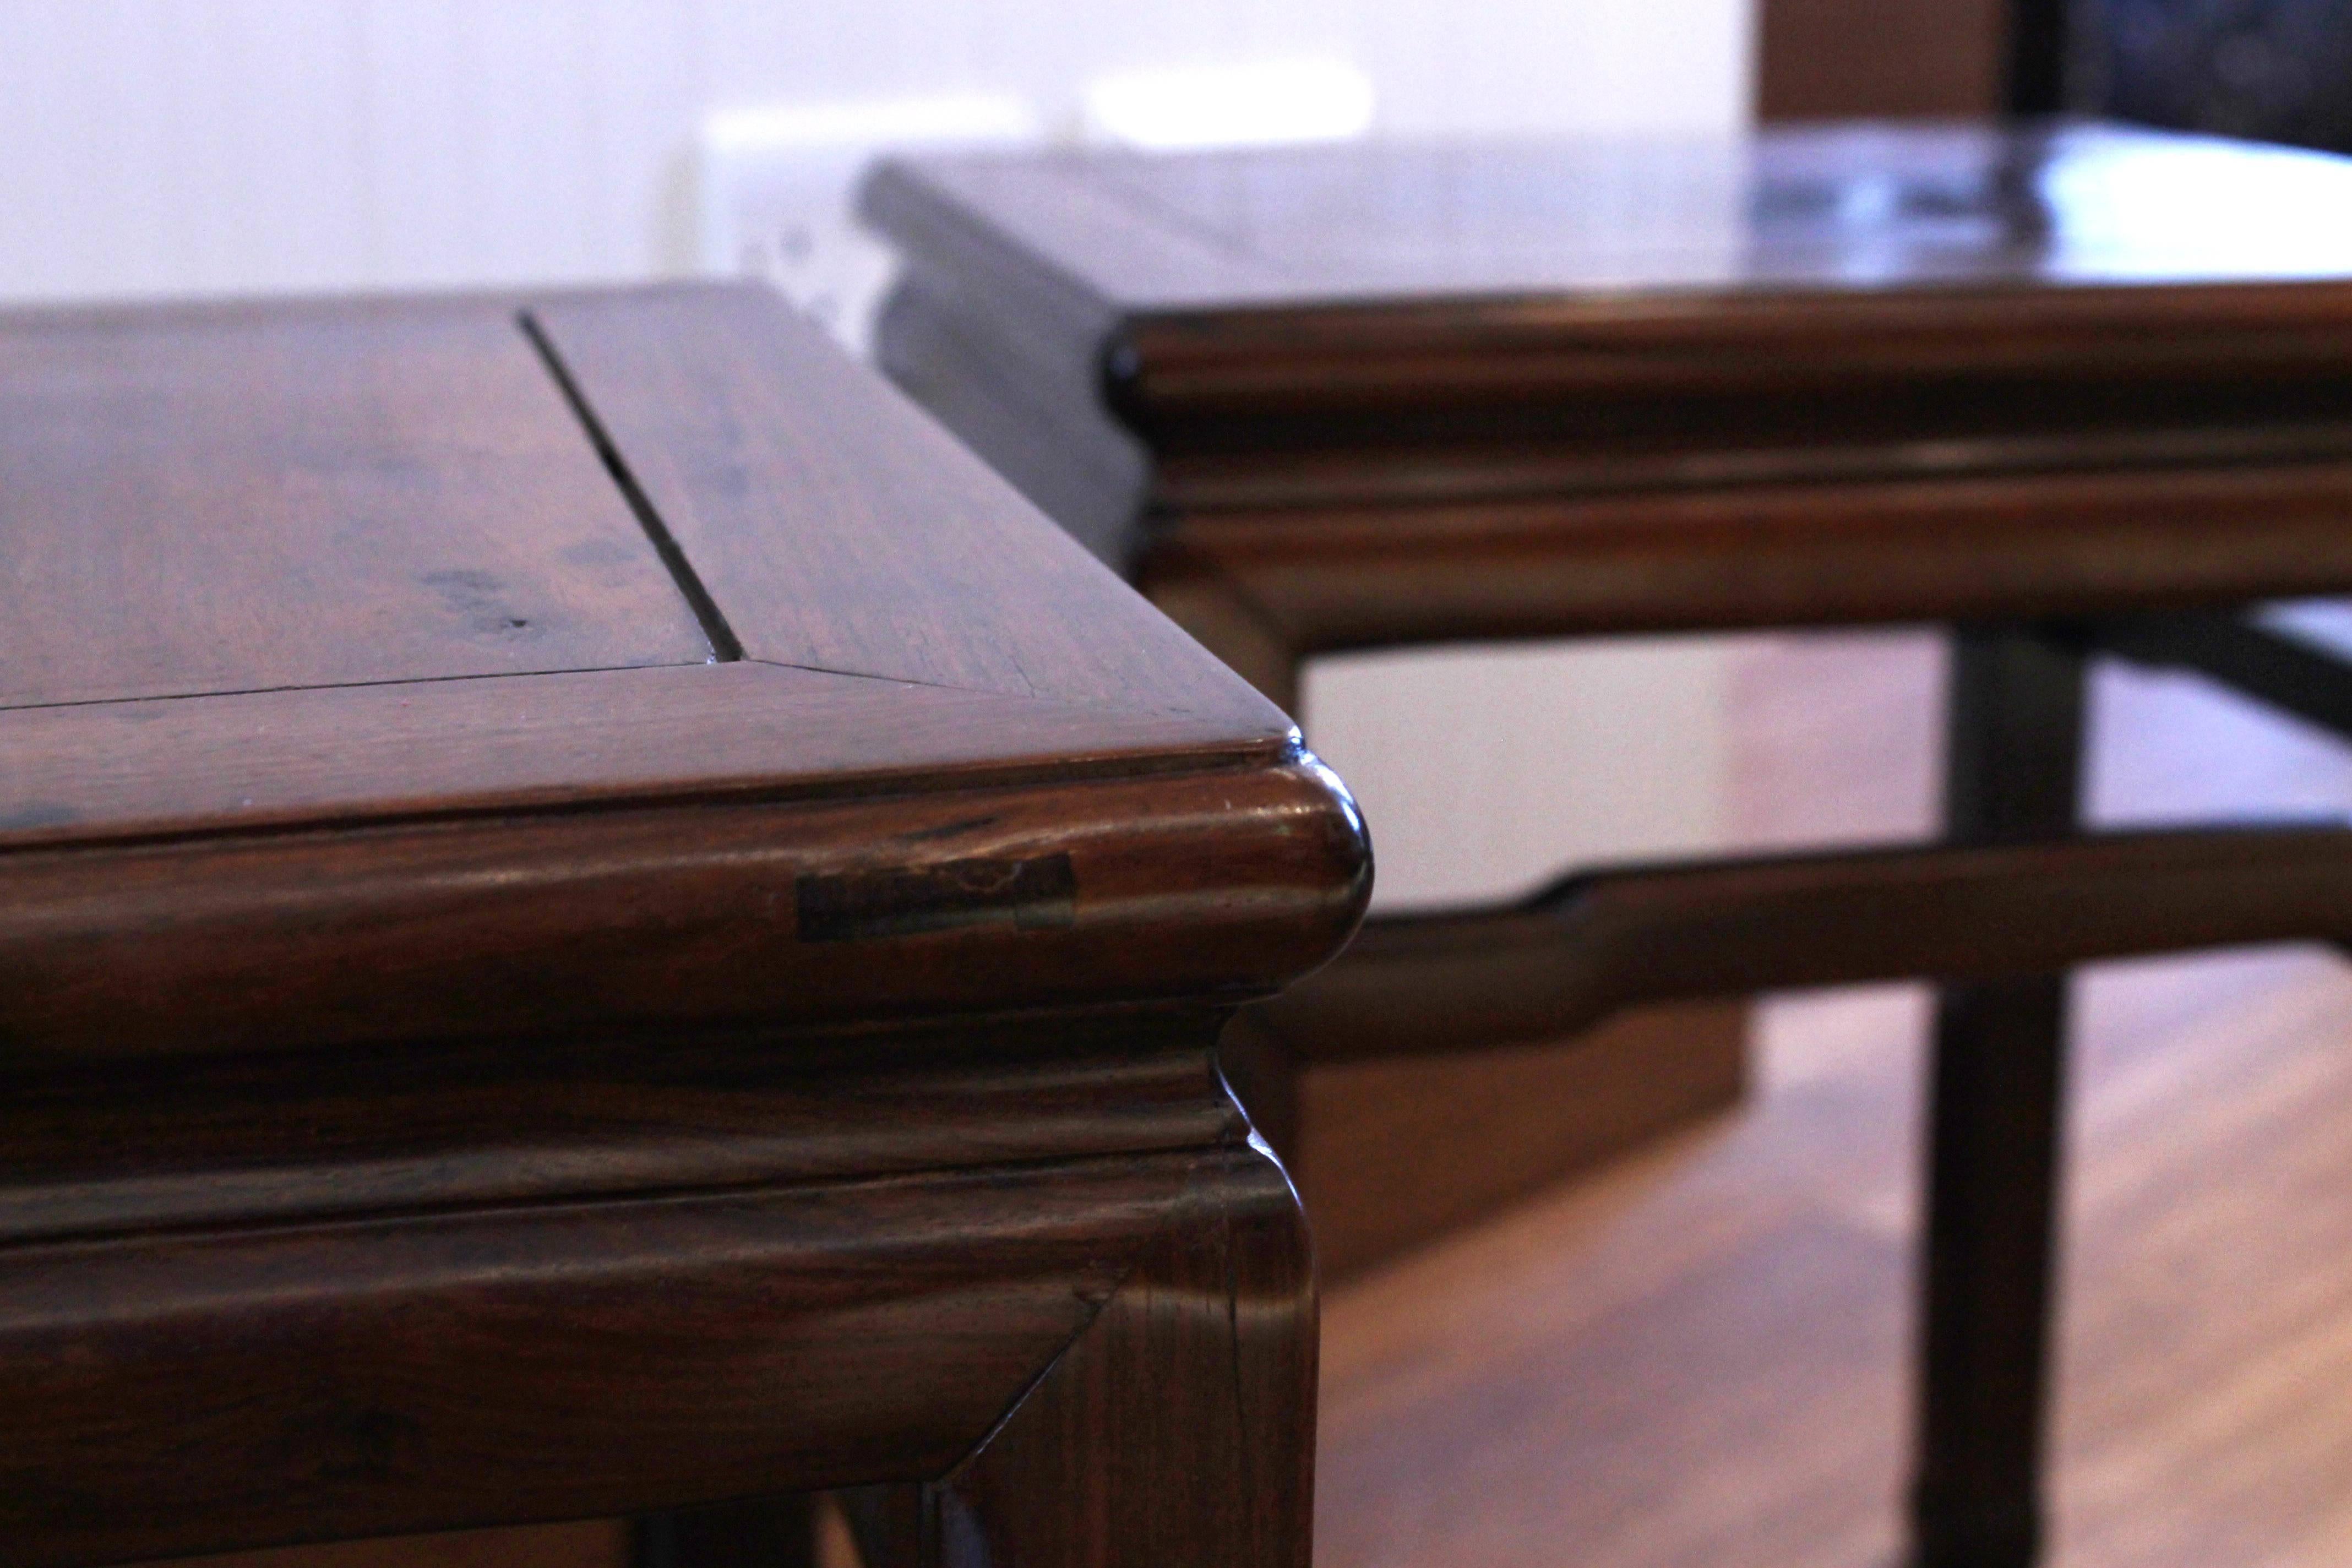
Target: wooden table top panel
[(777, 473), (1848, 210), (1391, 391), (1053, 796), (247, 499), (898, 613), (1384, 274)]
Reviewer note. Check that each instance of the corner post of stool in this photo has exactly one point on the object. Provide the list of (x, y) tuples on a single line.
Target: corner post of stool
[(1178, 1428), (2013, 769)]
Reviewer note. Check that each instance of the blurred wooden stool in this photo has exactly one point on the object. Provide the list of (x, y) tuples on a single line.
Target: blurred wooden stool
[(596, 921), (2062, 388)]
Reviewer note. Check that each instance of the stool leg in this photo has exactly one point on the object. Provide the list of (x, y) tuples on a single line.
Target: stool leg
[(2015, 766), (763, 1533), (1176, 1432)]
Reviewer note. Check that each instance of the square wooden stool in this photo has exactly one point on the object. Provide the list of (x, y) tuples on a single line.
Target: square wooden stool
[(2062, 387), (595, 919)]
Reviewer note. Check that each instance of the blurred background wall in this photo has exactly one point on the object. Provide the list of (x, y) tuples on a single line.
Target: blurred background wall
[(169, 146), (186, 147)]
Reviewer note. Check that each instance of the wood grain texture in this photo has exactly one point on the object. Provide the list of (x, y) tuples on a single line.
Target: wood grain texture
[(940, 574), (239, 500), (353, 1379), (191, 872), (1476, 351), (1180, 1427), (1847, 375), (1938, 548), (1618, 237), (681, 916), (441, 1103), (277, 1141), (274, 1303), (1011, 355), (277, 759)]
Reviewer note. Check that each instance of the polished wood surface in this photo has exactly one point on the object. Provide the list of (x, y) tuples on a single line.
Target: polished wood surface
[(444, 1093), (641, 1336), (2001, 378), (1183, 237), (1606, 940), (244, 500), (836, 531), (686, 915), (2151, 536), (1180, 1427), (399, 751), (1388, 394), (1702, 1356), (687, 795), (270, 1141)]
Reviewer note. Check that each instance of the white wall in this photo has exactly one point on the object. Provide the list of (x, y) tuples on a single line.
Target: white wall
[(175, 146), (1486, 771), (171, 147)]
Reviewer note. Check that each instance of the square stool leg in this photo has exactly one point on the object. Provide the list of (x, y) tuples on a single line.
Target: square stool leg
[(2013, 769), (1177, 1431)]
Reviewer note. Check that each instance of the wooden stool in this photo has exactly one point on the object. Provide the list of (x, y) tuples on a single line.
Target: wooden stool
[(2023, 383), (594, 920)]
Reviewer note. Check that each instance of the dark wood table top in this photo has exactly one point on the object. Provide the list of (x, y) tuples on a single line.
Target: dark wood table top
[(1393, 392), (494, 667), (1485, 271), (1601, 234)]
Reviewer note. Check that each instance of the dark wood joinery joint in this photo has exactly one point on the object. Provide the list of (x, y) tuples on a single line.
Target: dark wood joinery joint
[(726, 648)]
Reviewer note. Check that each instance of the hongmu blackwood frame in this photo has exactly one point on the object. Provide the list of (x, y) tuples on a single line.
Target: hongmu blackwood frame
[(597, 922), (1307, 421), (1999, 910)]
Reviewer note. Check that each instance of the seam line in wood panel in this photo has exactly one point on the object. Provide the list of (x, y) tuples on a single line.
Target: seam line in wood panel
[(1073, 704), (1053, 1364), (726, 648), (1182, 760), (343, 685)]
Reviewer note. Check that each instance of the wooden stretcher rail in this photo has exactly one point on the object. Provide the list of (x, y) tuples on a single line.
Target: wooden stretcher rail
[(2287, 672), (1598, 942)]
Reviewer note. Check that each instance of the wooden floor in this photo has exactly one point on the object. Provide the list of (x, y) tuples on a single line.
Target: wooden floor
[(1699, 1357)]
